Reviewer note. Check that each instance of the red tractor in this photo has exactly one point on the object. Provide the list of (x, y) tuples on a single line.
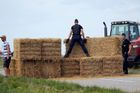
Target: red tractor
[(132, 31)]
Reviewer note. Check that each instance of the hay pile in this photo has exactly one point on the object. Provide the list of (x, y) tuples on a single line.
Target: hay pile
[(70, 67), (36, 58), (109, 46)]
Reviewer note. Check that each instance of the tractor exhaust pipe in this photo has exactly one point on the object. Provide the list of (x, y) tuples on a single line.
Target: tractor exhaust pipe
[(105, 30)]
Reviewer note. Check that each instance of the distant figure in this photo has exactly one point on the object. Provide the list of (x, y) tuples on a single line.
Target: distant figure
[(126, 49), (6, 55), (77, 34)]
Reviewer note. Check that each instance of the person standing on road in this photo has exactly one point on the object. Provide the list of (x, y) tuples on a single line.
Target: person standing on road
[(77, 34), (6, 55), (126, 49)]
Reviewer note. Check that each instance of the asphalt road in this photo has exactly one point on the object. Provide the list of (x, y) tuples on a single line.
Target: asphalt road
[(130, 83)]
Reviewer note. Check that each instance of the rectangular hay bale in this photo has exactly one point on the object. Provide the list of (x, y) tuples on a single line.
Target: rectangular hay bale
[(113, 65), (70, 67), (42, 69), (91, 66), (51, 48), (27, 49), (37, 49)]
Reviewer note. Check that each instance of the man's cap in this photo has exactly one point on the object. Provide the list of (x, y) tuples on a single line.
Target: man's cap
[(3, 36), (123, 34)]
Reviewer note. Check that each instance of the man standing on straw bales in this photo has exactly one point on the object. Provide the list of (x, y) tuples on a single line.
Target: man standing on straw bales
[(6, 55), (126, 48), (76, 33)]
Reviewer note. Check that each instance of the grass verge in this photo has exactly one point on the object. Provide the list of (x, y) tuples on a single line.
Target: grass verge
[(32, 85)]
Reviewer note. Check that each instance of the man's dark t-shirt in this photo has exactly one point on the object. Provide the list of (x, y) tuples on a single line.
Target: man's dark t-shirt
[(76, 29), (125, 46)]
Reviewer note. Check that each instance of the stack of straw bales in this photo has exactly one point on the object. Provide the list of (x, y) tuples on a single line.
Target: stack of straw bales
[(92, 66), (106, 57), (42, 58), (36, 58), (109, 46)]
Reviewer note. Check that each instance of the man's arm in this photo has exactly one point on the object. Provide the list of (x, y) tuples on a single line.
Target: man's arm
[(82, 33)]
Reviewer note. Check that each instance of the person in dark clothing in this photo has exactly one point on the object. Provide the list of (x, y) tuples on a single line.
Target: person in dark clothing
[(126, 49), (77, 34)]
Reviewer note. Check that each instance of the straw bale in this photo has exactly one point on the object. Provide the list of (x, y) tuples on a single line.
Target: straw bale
[(37, 49), (51, 69), (16, 67), (108, 46), (19, 67), (70, 67), (51, 48), (92, 66), (41, 69), (27, 49), (112, 65)]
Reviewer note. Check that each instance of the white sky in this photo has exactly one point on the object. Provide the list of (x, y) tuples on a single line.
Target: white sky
[(54, 18)]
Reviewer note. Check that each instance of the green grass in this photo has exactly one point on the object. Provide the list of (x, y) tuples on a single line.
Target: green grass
[(32, 85)]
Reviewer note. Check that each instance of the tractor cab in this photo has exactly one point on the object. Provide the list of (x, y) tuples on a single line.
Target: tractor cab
[(131, 29)]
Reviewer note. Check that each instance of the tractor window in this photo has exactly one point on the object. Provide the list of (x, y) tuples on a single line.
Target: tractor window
[(133, 32), (119, 29)]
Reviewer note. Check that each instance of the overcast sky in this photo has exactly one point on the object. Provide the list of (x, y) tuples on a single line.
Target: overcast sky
[(54, 18)]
